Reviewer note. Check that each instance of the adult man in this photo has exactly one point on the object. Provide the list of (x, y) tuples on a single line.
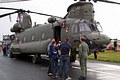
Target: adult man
[(83, 53), (64, 59)]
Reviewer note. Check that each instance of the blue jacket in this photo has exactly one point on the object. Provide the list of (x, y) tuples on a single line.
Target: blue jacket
[(54, 52)]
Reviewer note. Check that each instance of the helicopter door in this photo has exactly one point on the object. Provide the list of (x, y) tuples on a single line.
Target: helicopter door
[(57, 33), (64, 34)]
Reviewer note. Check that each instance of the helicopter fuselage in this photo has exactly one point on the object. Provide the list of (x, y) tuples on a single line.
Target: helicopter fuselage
[(36, 39)]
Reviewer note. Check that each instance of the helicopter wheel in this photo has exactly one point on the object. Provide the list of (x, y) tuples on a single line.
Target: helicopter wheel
[(35, 59), (11, 55)]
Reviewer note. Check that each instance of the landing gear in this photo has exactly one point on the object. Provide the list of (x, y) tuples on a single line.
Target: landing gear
[(95, 55), (11, 55), (36, 58), (73, 56)]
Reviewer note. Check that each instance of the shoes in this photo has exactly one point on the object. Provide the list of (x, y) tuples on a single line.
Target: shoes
[(50, 74), (59, 78), (53, 77), (56, 76), (69, 78)]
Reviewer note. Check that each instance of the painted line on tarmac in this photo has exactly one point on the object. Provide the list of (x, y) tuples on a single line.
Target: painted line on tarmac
[(98, 71)]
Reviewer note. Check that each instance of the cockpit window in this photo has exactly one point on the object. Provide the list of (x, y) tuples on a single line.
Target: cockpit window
[(84, 27), (99, 27), (74, 28), (95, 27)]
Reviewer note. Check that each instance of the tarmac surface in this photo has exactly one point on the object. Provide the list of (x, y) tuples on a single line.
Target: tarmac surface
[(24, 69)]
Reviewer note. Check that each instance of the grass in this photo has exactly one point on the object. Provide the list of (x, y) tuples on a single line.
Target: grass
[(108, 56)]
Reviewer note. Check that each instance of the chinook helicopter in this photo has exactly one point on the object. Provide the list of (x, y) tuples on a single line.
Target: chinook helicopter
[(78, 22)]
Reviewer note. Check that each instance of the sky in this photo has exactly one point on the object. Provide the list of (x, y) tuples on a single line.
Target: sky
[(107, 14)]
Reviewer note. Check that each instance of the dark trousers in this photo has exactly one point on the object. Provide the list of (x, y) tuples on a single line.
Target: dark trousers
[(95, 55), (4, 52), (50, 65), (54, 67), (64, 66)]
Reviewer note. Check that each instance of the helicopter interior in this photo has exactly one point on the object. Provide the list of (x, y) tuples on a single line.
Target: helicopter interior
[(57, 33)]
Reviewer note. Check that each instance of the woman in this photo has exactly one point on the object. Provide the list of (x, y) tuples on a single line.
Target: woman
[(55, 56)]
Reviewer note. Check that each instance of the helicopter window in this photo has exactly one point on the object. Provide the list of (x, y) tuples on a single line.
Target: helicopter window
[(99, 27), (17, 39), (74, 29), (33, 36), (84, 27), (87, 28), (24, 38), (94, 27), (43, 35), (81, 27)]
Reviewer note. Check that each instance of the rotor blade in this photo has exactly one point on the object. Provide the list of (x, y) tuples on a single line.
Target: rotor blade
[(21, 10), (8, 8), (42, 14), (7, 14), (8, 1), (107, 1)]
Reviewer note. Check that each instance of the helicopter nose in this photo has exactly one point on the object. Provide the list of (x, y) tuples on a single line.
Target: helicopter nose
[(98, 40), (104, 41)]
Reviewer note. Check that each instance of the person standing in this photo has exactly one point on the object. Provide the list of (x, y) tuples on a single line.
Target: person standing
[(115, 46), (7, 48), (64, 50), (54, 56), (50, 58), (83, 53), (4, 48)]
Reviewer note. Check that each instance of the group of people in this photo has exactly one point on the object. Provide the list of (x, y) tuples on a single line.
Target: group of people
[(59, 59)]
